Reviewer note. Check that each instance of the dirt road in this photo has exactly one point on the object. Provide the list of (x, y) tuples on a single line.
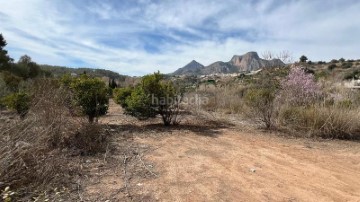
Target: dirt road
[(203, 161), (248, 167)]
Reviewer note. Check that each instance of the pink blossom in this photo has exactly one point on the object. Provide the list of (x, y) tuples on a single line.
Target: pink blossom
[(299, 88)]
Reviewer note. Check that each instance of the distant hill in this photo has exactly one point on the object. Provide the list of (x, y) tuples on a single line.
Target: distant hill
[(58, 71), (238, 63), (193, 68)]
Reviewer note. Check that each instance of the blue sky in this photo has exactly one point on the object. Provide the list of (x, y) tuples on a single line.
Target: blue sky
[(137, 37)]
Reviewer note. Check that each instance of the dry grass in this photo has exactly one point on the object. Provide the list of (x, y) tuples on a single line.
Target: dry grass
[(337, 117), (226, 99), (32, 154), (321, 121)]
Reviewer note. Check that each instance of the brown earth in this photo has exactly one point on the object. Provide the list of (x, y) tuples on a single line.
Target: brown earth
[(203, 160)]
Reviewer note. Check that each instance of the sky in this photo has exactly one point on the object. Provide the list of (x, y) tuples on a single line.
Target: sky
[(137, 37)]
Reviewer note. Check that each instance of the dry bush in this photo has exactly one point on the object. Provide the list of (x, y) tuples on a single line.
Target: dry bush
[(89, 139), (322, 121), (335, 115), (32, 154), (317, 111), (260, 104), (227, 99)]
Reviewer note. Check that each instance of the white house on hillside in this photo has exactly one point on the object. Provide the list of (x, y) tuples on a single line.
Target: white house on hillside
[(352, 84)]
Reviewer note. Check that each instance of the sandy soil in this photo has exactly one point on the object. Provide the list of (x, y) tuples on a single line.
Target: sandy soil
[(208, 161), (246, 167)]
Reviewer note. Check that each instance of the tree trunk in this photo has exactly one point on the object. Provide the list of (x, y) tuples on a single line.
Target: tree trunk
[(91, 119)]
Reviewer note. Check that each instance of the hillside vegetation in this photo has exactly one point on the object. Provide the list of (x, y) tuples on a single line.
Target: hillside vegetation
[(65, 132), (59, 71)]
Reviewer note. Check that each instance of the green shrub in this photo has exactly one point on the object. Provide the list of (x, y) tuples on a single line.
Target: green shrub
[(11, 81), (331, 67), (139, 105), (346, 65), (4, 90), (154, 96), (19, 102), (352, 75), (66, 80), (120, 95), (91, 95)]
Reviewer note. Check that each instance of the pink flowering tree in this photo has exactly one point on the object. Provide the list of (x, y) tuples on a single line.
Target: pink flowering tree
[(299, 88)]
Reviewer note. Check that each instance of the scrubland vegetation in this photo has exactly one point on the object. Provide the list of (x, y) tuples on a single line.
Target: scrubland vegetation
[(291, 100), (37, 149)]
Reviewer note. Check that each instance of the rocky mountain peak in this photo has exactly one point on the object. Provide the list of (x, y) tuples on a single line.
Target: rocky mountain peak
[(245, 60), (239, 63), (194, 62), (192, 68)]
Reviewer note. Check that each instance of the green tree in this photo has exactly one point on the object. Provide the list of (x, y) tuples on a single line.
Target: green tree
[(91, 95), (303, 58), (154, 95), (28, 68), (112, 84), (5, 59), (334, 61)]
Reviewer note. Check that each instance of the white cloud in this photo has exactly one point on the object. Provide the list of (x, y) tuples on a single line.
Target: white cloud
[(115, 36)]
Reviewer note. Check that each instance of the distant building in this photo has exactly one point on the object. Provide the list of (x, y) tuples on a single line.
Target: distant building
[(353, 84)]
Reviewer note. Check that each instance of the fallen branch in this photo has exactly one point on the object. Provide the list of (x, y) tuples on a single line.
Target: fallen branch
[(125, 178), (142, 162)]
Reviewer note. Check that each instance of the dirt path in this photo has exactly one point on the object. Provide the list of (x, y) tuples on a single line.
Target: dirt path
[(248, 167), (202, 161)]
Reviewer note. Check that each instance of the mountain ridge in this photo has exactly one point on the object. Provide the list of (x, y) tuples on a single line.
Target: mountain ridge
[(249, 61)]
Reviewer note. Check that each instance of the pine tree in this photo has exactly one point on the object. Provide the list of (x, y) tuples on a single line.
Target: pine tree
[(5, 60), (113, 84)]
